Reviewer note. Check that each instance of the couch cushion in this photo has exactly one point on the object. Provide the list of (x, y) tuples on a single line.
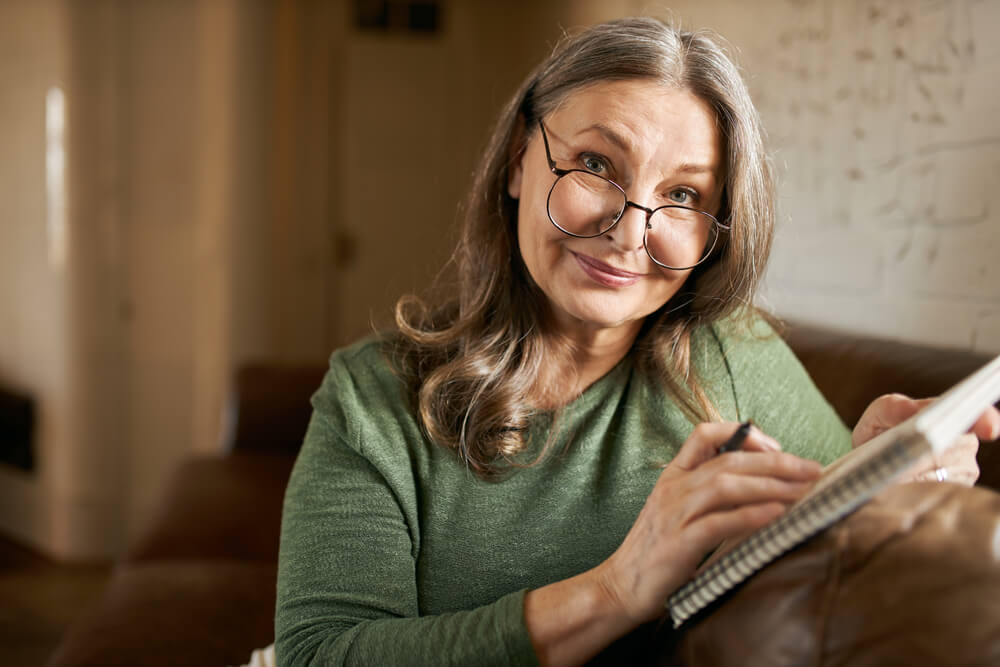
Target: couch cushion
[(219, 508), (176, 613)]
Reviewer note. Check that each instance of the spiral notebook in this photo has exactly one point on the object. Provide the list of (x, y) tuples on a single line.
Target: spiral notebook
[(845, 485)]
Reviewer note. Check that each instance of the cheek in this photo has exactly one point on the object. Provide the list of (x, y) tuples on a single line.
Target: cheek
[(668, 285), (538, 240)]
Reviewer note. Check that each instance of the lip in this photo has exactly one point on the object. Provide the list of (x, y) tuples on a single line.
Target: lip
[(605, 274)]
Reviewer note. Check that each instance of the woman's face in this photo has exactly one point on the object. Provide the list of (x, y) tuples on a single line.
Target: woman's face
[(661, 145)]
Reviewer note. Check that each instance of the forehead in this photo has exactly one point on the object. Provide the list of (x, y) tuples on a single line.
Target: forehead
[(650, 119)]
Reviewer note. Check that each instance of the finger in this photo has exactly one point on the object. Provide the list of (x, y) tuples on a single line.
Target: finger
[(713, 528), (781, 465), (758, 441), (732, 490), (884, 412), (705, 440), (703, 444), (891, 409), (964, 473), (987, 427), (963, 448), (959, 462)]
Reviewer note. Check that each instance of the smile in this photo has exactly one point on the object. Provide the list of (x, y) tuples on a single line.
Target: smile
[(605, 274)]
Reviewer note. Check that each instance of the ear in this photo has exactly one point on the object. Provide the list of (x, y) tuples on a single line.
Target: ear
[(515, 158)]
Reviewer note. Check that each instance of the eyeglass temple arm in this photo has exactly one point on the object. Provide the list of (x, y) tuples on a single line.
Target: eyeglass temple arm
[(548, 153)]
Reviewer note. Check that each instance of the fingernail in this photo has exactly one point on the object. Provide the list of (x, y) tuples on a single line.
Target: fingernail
[(763, 439), (771, 443)]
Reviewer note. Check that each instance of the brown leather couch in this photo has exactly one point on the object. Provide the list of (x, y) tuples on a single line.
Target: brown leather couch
[(197, 588), (911, 578)]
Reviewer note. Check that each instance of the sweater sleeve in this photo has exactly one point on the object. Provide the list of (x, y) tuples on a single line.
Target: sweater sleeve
[(772, 388), (347, 590)]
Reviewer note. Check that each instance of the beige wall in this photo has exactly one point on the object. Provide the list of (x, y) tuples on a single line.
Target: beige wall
[(180, 258), (33, 334), (416, 112)]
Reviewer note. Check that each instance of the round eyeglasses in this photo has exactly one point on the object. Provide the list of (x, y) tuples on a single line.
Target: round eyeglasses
[(585, 205)]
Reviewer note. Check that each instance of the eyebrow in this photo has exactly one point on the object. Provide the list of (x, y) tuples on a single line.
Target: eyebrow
[(609, 134), (618, 140)]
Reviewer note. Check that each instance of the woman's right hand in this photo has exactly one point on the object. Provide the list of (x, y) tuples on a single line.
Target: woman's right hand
[(700, 500)]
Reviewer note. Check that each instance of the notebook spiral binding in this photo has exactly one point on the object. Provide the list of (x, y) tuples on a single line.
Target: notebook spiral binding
[(799, 524)]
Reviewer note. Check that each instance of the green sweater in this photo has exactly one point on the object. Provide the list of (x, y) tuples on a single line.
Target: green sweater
[(394, 553)]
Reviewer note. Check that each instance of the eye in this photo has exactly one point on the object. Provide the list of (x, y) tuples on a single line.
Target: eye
[(594, 163), (682, 196)]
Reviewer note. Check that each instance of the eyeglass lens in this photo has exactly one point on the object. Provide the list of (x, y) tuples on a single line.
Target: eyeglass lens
[(586, 205)]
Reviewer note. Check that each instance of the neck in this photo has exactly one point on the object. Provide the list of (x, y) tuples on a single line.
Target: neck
[(579, 358)]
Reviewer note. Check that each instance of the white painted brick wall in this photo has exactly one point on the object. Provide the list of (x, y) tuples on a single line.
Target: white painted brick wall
[(884, 119)]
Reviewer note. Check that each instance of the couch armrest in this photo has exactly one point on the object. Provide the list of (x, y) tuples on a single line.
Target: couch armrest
[(226, 507)]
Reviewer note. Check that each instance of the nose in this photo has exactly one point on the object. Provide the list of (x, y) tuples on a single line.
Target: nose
[(630, 231)]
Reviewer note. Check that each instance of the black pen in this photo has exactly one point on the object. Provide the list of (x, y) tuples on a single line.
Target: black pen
[(735, 441)]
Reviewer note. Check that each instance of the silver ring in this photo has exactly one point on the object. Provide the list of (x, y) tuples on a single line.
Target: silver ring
[(941, 474)]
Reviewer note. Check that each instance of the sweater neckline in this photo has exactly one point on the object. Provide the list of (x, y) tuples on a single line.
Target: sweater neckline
[(595, 394)]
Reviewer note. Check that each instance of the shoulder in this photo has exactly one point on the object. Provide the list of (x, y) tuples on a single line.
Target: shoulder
[(746, 337), (746, 326), (361, 391), (744, 353), (756, 356), (730, 353), (772, 387), (363, 366), (745, 341)]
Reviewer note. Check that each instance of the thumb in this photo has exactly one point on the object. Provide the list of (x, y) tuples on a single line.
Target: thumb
[(885, 412)]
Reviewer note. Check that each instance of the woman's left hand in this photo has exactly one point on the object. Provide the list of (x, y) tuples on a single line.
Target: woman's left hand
[(957, 464)]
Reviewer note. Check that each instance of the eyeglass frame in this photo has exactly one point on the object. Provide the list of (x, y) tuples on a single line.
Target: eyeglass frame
[(720, 227)]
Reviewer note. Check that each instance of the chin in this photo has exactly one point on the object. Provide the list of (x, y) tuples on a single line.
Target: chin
[(601, 315)]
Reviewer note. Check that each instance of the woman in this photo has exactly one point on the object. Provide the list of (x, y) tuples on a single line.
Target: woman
[(486, 485)]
